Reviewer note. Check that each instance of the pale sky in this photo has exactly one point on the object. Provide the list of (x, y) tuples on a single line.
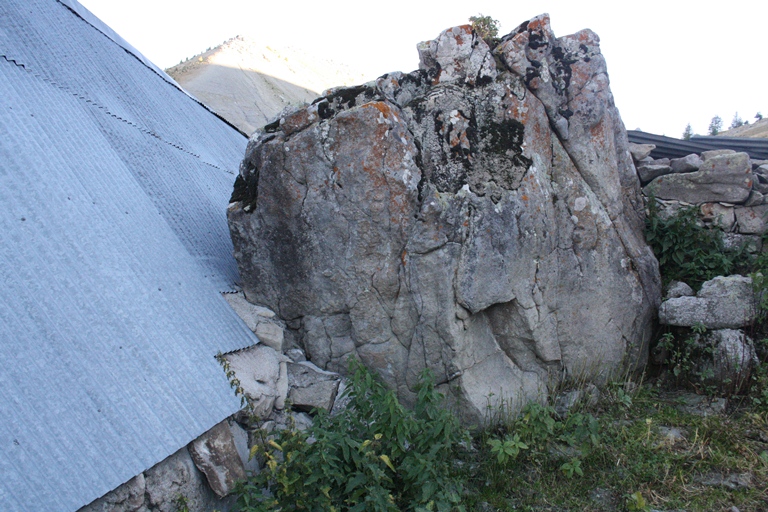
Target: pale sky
[(670, 62)]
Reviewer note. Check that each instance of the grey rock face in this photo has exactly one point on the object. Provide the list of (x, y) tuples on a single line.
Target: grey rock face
[(688, 163), (752, 220), (436, 220), (733, 358), (177, 476), (258, 369), (723, 177), (715, 214), (129, 497), (722, 303), (215, 455), (649, 172), (679, 289), (311, 387), (640, 151)]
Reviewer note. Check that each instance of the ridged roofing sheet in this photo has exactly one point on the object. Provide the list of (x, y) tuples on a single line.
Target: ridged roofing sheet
[(114, 248)]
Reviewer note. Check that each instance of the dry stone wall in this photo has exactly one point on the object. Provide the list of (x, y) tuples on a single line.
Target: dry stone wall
[(728, 191)]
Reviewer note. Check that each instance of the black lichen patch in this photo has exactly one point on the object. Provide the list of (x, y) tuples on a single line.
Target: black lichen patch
[(506, 139), (562, 68), (246, 190), (324, 110), (537, 40), (272, 127), (350, 97)]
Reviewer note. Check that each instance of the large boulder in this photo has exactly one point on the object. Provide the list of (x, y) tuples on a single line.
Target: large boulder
[(480, 217)]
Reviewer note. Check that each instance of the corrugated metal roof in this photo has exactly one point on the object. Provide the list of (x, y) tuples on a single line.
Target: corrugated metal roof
[(668, 147), (113, 250)]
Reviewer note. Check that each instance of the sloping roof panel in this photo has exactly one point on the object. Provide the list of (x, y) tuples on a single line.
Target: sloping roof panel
[(668, 147), (113, 248)]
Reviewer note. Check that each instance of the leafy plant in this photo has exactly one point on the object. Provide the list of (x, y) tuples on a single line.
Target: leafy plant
[(507, 449), (537, 429), (486, 27), (375, 456), (636, 502), (688, 251), (572, 467)]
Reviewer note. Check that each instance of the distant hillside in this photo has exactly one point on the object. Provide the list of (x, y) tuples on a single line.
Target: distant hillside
[(755, 130), (248, 83)]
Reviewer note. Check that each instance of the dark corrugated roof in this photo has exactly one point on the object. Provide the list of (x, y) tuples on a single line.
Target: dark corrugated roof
[(113, 248), (668, 147)]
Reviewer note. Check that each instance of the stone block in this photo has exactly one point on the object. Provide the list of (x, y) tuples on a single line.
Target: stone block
[(311, 387), (688, 163), (640, 151), (258, 370), (752, 220), (177, 477), (721, 178), (722, 303), (215, 455), (717, 215)]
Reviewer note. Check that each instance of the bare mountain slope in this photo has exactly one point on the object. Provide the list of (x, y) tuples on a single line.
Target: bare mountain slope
[(248, 83), (758, 129)]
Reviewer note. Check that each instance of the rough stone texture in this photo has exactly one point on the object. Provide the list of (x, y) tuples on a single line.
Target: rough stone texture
[(723, 177), (752, 220), (715, 214), (733, 358), (706, 155), (258, 370), (679, 289), (649, 172), (640, 151), (214, 453), (311, 387), (242, 445), (177, 476), (755, 198), (435, 219), (753, 243), (129, 497), (688, 163), (259, 320), (722, 303)]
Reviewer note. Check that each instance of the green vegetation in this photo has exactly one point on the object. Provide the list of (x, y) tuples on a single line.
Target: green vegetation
[(374, 456), (687, 251), (715, 125), (737, 121), (486, 27), (688, 133)]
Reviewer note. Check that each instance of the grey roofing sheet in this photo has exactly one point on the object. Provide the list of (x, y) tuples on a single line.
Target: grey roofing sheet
[(113, 250), (668, 147)]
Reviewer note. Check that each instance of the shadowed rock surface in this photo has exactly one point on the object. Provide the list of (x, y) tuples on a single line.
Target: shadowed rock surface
[(480, 217)]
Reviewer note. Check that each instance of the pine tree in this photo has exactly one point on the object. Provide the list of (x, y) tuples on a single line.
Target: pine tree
[(715, 125), (688, 133), (737, 121)]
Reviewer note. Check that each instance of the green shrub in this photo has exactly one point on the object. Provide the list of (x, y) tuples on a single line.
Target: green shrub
[(486, 27), (374, 456), (688, 251), (538, 428)]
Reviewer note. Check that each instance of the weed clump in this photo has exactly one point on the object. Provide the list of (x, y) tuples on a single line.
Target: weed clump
[(374, 456)]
